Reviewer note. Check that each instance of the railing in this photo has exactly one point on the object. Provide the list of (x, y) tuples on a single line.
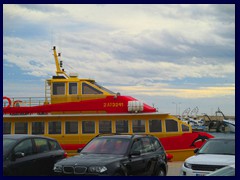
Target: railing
[(26, 101)]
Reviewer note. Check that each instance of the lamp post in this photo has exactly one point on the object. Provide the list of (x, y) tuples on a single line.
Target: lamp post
[(177, 107)]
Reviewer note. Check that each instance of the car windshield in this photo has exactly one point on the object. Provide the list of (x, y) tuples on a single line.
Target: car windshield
[(218, 147), (7, 144), (106, 146)]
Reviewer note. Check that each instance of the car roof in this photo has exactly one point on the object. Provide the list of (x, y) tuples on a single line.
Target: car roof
[(23, 136), (125, 136)]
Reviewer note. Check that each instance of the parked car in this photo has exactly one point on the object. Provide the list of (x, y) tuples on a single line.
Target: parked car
[(225, 171), (30, 155), (117, 155), (216, 153)]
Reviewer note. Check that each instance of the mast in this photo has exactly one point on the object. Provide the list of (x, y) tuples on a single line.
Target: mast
[(58, 66), (219, 111)]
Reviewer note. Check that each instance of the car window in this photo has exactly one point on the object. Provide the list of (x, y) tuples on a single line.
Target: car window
[(147, 145), (137, 145), (24, 147), (54, 145), (156, 144), (41, 145), (8, 144)]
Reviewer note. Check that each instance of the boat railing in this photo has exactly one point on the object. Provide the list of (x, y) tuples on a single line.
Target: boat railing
[(25, 101)]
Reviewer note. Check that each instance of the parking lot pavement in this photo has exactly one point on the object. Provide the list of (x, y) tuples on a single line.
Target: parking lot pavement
[(174, 168)]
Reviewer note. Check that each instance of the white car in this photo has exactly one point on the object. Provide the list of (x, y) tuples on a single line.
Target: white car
[(226, 171), (216, 153)]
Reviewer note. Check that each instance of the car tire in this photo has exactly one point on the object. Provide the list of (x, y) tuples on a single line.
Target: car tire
[(161, 172)]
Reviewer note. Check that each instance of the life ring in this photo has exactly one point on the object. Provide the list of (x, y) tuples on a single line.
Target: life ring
[(9, 101), (16, 103)]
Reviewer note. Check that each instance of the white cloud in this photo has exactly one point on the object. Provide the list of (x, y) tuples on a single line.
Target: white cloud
[(140, 49)]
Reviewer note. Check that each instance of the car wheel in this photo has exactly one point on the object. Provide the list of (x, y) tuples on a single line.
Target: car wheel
[(161, 172)]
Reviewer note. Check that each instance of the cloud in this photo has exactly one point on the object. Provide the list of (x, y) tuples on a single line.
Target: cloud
[(171, 50), (186, 93)]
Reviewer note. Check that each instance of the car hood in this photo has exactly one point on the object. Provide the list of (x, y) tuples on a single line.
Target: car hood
[(90, 159), (211, 159)]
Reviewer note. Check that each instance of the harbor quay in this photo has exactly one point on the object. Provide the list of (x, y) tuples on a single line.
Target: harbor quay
[(174, 168)]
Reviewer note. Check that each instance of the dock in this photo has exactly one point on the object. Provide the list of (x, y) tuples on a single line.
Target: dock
[(174, 168)]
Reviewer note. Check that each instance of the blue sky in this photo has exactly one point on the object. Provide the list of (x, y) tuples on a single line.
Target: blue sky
[(160, 54)]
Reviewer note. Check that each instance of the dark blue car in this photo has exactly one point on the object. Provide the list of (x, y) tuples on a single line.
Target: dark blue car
[(30, 155)]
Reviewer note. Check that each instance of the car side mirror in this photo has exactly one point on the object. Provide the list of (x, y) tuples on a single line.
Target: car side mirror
[(135, 153), (79, 150), (196, 150), (19, 155)]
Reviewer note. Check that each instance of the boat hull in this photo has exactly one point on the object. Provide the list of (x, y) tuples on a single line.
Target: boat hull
[(180, 154), (178, 142), (230, 124)]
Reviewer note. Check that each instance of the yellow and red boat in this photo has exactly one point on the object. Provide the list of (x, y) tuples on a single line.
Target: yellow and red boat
[(75, 110)]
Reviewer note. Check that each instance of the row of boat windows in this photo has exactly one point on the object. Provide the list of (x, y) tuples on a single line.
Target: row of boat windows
[(89, 127), (59, 88)]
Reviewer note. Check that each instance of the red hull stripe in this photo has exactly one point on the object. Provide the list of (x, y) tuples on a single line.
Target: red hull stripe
[(108, 104), (185, 141), (72, 146)]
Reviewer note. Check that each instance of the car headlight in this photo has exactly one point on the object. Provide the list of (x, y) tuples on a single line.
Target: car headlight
[(187, 165), (97, 169), (57, 168)]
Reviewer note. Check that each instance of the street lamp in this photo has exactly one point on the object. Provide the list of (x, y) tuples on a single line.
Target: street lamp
[(177, 107)]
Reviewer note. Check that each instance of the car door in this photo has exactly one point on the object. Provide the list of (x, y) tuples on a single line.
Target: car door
[(22, 159), (159, 154), (44, 160), (148, 155), (136, 164), (56, 152)]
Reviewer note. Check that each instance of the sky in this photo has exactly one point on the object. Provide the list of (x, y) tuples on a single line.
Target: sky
[(170, 56)]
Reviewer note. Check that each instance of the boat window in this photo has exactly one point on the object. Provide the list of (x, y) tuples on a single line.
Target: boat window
[(185, 128), (88, 127), (138, 126), (73, 88), (7, 128), (87, 89), (122, 126), (54, 127), (103, 88), (71, 127), (155, 125), (171, 125), (58, 88), (105, 126), (37, 127), (21, 128)]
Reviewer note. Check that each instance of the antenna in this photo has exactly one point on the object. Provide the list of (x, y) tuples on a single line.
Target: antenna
[(58, 65)]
